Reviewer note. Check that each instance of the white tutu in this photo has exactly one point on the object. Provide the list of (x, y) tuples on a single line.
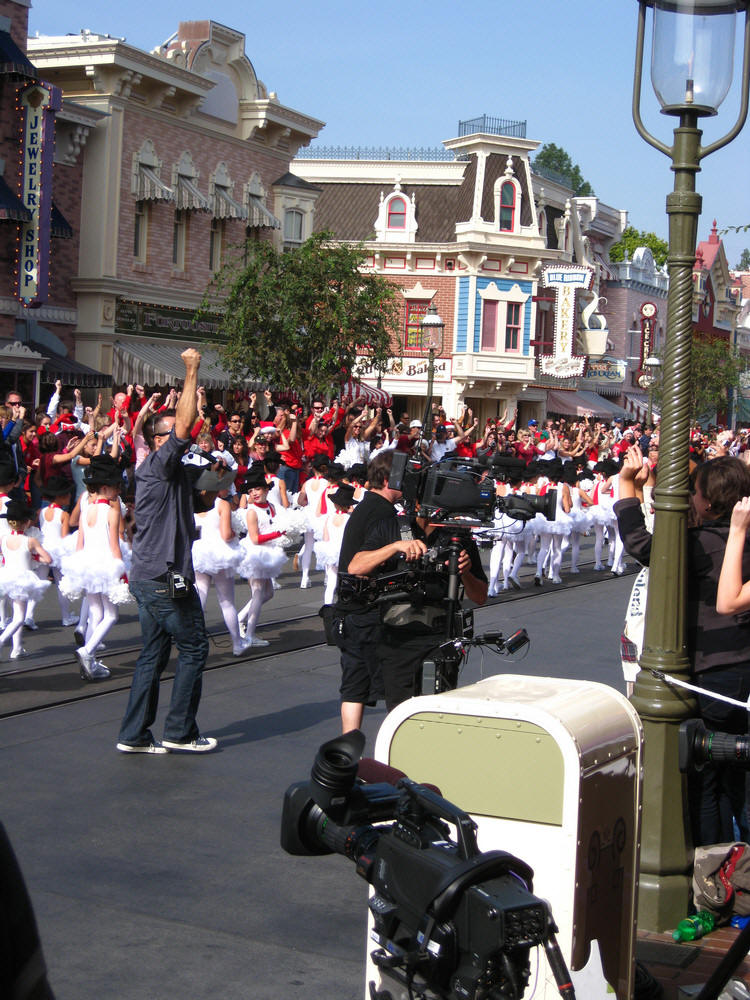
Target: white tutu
[(260, 562), (327, 553), (212, 555), (59, 547), (91, 573), (23, 585)]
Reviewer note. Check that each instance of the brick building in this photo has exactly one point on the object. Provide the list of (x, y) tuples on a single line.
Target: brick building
[(190, 154), (36, 338)]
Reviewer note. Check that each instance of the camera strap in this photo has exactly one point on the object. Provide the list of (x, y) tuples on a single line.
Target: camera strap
[(677, 682)]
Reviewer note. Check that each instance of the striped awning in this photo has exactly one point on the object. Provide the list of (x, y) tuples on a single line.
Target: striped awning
[(258, 215), (68, 370), (579, 403), (11, 206), (140, 362), (187, 195), (637, 407), (369, 393), (151, 187), (225, 207)]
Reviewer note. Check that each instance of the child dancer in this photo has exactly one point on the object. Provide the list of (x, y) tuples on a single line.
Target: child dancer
[(96, 567), (54, 525), (262, 559), (18, 581), (217, 553), (327, 550), (312, 498)]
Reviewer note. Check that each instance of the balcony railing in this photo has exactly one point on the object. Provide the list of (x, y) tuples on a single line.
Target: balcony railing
[(492, 126), (379, 153)]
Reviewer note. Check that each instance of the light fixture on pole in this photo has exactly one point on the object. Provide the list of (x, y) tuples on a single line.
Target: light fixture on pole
[(692, 56), (430, 342), (648, 380)]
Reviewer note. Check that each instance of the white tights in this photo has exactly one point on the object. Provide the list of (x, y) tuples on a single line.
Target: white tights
[(332, 573), (224, 584), (261, 591), (13, 628), (102, 616)]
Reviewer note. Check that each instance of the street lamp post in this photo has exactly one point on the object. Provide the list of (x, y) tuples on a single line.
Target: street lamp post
[(648, 380), (691, 71), (431, 342)]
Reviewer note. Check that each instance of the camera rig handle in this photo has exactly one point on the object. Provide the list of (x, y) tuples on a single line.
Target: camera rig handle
[(421, 800)]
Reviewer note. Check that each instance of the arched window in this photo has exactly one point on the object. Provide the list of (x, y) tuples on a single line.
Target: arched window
[(293, 226), (507, 207), (397, 213)]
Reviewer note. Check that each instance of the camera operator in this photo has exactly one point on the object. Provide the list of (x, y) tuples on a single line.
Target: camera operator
[(388, 648)]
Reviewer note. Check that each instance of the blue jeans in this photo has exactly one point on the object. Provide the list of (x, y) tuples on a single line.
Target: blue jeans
[(290, 477), (163, 620)]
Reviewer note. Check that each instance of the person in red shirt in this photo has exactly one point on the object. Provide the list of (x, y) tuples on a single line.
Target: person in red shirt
[(319, 439)]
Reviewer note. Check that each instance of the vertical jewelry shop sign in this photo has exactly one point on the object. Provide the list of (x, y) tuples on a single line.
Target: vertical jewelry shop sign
[(565, 280), (37, 104)]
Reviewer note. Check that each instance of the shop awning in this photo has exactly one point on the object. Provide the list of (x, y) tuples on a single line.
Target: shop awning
[(12, 59), (579, 403), (369, 393), (151, 187), (139, 362), (59, 225), (11, 206), (68, 370), (258, 215), (637, 407), (225, 207)]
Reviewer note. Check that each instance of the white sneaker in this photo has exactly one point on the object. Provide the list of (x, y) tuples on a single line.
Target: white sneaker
[(241, 647), (70, 620), (18, 654), (305, 584), (30, 624), (255, 640), (203, 744), (99, 672)]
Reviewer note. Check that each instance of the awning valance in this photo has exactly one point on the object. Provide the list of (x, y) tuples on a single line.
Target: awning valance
[(258, 215), (144, 363), (369, 393), (225, 207), (151, 187), (11, 206), (68, 370), (637, 407), (582, 404), (187, 195)]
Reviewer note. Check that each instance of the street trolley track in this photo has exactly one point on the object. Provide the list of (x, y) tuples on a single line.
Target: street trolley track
[(34, 687)]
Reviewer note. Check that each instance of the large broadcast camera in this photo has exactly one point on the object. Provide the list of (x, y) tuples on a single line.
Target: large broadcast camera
[(699, 746), (449, 921)]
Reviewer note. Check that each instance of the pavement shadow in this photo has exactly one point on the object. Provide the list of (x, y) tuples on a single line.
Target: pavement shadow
[(294, 719)]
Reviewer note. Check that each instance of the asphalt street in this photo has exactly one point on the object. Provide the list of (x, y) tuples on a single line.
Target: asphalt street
[(162, 876)]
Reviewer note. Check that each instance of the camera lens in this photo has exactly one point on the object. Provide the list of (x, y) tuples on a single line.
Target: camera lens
[(335, 770)]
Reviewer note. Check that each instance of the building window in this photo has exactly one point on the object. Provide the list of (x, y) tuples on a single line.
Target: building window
[(293, 223), (179, 239), (544, 342), (397, 213), (513, 327), (415, 313), (216, 240), (140, 231), (489, 325), (507, 207)]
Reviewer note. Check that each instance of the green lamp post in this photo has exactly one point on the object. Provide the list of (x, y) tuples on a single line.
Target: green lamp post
[(692, 56), (430, 342)]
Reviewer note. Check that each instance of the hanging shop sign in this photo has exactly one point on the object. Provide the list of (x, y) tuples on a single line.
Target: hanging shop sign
[(36, 105), (604, 371), (564, 281), (405, 369), (649, 312)]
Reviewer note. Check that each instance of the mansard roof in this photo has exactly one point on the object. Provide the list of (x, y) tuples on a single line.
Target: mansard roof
[(350, 210)]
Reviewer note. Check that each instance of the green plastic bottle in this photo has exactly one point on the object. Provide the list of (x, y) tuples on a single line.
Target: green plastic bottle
[(692, 928)]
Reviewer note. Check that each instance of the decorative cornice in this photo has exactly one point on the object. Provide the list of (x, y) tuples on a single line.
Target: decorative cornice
[(51, 314)]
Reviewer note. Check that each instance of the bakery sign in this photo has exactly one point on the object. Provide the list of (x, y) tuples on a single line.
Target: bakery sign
[(405, 369), (565, 280), (37, 104)]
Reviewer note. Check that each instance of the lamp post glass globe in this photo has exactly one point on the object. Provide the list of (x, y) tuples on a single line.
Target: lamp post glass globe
[(692, 53), (431, 330)]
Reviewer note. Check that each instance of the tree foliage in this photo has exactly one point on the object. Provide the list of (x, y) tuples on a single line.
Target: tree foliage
[(299, 319), (744, 262), (632, 238), (715, 372), (552, 157)]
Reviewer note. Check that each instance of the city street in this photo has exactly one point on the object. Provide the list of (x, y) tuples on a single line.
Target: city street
[(162, 876)]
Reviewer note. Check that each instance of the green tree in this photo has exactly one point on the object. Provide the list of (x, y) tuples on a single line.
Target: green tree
[(299, 319), (554, 158), (744, 264), (715, 371), (632, 238)]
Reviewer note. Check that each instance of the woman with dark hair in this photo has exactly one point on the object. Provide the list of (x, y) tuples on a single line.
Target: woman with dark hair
[(718, 645)]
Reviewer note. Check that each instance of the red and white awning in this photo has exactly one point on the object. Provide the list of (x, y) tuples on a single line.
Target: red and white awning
[(356, 389), (637, 407)]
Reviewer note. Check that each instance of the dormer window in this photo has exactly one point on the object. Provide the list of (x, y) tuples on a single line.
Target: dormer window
[(397, 217), (397, 213)]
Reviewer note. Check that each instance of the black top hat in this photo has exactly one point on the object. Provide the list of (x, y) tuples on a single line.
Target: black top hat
[(56, 486), (215, 479), (17, 510), (344, 496), (256, 477), (8, 470), (102, 470), (321, 461)]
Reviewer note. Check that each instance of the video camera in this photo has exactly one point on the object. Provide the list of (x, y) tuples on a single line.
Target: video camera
[(449, 921), (460, 492), (699, 746)]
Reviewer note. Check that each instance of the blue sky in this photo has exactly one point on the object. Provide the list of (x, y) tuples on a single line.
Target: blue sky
[(404, 72)]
